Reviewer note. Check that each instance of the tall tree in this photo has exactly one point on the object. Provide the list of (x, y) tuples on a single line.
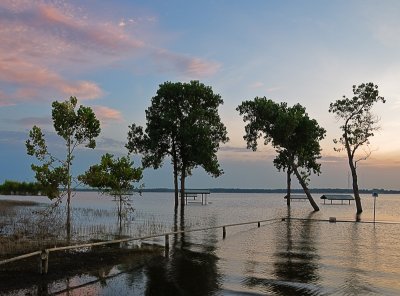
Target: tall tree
[(182, 123), (115, 177), (291, 132), (358, 127), (76, 127)]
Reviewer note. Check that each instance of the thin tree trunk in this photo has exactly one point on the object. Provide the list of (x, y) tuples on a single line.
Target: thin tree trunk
[(68, 226), (355, 187), (354, 176), (289, 181), (175, 175), (120, 216), (306, 191), (183, 176)]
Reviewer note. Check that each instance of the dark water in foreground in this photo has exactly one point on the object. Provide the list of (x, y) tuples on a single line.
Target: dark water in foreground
[(291, 257)]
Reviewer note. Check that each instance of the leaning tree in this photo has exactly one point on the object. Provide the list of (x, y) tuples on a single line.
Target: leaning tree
[(182, 123), (291, 132), (76, 127), (358, 127)]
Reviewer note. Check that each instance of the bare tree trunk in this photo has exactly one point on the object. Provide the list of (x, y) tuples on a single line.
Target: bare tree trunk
[(354, 176), (175, 175), (355, 186), (68, 226), (306, 191), (289, 181), (183, 176), (120, 216)]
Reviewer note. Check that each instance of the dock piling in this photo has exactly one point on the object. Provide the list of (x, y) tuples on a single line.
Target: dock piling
[(44, 262)]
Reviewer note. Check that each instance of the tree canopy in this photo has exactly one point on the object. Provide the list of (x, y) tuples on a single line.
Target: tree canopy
[(182, 123), (76, 127), (291, 132), (359, 125), (115, 177)]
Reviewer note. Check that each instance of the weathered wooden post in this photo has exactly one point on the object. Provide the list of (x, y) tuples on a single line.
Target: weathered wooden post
[(44, 261), (223, 232), (166, 249), (166, 241)]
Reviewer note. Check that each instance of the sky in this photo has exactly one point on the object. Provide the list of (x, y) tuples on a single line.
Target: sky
[(113, 55)]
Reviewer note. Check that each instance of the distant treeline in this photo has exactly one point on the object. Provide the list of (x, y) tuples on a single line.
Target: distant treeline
[(283, 191), (20, 188), (30, 188)]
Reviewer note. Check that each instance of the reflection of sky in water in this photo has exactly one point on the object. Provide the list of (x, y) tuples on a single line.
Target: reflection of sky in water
[(280, 258)]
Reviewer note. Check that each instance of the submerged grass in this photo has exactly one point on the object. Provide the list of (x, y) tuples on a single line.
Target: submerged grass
[(27, 226)]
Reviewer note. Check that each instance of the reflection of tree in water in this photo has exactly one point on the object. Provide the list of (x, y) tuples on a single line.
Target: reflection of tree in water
[(355, 282), (296, 265), (185, 272)]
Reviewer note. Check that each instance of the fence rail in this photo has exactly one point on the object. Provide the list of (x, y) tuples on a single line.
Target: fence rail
[(44, 254)]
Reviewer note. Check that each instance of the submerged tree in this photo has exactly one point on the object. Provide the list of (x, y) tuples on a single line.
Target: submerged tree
[(358, 127), (182, 123), (76, 127), (114, 177), (291, 132)]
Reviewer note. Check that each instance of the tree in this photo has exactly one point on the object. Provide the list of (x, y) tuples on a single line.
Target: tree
[(358, 127), (182, 123), (17, 188), (76, 127), (114, 177), (291, 132)]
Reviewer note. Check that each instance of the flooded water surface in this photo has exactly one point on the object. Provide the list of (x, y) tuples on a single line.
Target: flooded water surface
[(295, 252)]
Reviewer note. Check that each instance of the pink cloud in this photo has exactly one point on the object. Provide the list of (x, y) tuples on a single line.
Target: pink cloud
[(30, 79), (189, 66), (106, 114), (43, 41)]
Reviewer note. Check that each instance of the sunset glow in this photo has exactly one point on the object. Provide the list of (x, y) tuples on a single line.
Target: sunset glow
[(113, 55)]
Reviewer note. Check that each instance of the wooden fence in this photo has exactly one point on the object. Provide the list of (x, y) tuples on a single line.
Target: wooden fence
[(44, 254)]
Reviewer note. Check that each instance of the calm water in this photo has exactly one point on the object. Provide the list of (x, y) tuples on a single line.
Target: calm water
[(291, 257)]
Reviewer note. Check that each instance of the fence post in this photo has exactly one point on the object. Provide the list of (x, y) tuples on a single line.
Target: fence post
[(223, 232), (44, 262), (258, 224), (166, 250), (166, 241)]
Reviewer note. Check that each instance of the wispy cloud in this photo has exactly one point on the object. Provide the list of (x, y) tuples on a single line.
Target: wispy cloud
[(107, 114), (43, 41), (31, 81), (189, 66), (108, 144), (257, 84), (28, 122)]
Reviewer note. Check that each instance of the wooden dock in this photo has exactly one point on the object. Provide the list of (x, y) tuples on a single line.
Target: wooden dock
[(339, 197), (193, 193), (297, 197)]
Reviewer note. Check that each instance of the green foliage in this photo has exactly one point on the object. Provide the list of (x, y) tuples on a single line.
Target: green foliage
[(291, 132), (75, 128), (358, 127), (359, 123), (112, 176), (20, 188), (183, 123)]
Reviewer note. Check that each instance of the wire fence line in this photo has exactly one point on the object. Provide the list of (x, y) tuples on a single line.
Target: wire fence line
[(44, 254)]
